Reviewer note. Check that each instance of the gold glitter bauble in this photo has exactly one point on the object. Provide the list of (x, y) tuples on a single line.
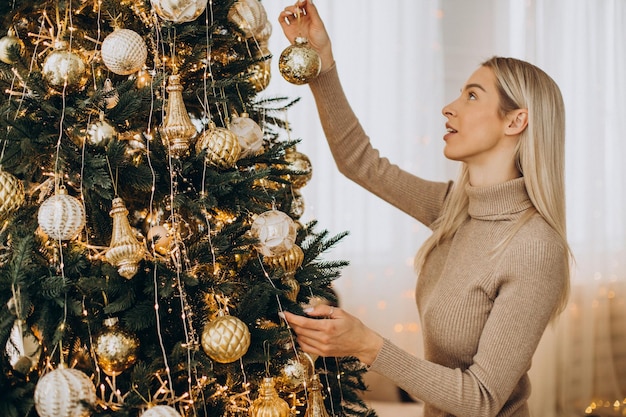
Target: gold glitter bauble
[(299, 63), (221, 146), (296, 374), (7, 43), (160, 239), (64, 393), (301, 164), (11, 194), (225, 339), (116, 349), (268, 403), (260, 75), (161, 411), (124, 51), (61, 217), (63, 68), (179, 11)]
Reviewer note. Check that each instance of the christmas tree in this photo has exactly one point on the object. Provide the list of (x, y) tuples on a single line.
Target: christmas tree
[(150, 206)]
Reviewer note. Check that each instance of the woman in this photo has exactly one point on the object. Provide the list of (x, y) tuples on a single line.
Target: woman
[(495, 270)]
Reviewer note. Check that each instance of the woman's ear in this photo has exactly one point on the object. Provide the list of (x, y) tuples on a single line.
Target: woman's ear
[(517, 122)]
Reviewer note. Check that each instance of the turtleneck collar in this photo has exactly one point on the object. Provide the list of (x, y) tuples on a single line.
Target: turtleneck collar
[(499, 201)]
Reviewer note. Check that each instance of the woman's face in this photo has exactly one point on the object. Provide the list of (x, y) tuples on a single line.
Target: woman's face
[(474, 126)]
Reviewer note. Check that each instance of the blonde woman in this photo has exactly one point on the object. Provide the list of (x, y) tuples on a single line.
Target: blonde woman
[(495, 270)]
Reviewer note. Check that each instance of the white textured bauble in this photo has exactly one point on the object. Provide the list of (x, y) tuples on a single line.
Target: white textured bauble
[(61, 216), (11, 194), (161, 411), (101, 133), (124, 52), (63, 68), (275, 232), (6, 43), (62, 392), (249, 135), (179, 11), (250, 16)]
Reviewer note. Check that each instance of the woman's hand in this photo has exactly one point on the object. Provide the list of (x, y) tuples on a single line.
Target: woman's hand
[(302, 20), (337, 333)]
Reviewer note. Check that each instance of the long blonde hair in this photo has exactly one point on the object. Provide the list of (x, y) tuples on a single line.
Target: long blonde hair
[(540, 156)]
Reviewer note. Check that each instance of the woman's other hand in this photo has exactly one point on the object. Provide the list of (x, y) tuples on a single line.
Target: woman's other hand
[(302, 20)]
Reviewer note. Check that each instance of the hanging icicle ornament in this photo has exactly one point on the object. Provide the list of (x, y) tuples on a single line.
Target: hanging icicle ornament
[(8, 44), (268, 403), (11, 194), (299, 63), (116, 348), (179, 11), (23, 349), (110, 95), (64, 392), (248, 133), (125, 252), (221, 146), (225, 339), (250, 16), (289, 261), (64, 69), (178, 130), (274, 231), (124, 51), (315, 402), (161, 411), (61, 217)]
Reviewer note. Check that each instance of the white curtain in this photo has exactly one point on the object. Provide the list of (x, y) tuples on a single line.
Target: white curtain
[(400, 62)]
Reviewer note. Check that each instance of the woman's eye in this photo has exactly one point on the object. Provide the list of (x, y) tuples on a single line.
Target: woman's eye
[(471, 96)]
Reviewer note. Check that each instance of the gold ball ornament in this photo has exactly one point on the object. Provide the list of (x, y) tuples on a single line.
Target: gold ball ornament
[(221, 146), (225, 339), (116, 348), (63, 68), (301, 165), (268, 403), (179, 11), (299, 63), (296, 374), (61, 217), (250, 16), (260, 75), (11, 194), (101, 133), (7, 43), (160, 238), (275, 232), (249, 134), (124, 51), (161, 411), (64, 392)]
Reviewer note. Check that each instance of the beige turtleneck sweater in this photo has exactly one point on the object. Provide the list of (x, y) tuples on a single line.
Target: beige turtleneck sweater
[(482, 316)]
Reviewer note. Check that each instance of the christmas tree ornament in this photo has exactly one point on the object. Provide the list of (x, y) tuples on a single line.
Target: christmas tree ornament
[(63, 68), (116, 349), (179, 11), (274, 231), (268, 403), (249, 134), (296, 209), (61, 217), (23, 349), (301, 165), (124, 251), (296, 374), (220, 145), (124, 51), (260, 75), (315, 402), (11, 194), (161, 411), (110, 95), (7, 43), (101, 132), (289, 261), (177, 129), (250, 16), (264, 34), (160, 238), (299, 63), (225, 339), (64, 392)]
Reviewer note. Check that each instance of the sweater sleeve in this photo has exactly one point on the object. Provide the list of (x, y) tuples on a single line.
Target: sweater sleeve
[(526, 292), (359, 161)]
